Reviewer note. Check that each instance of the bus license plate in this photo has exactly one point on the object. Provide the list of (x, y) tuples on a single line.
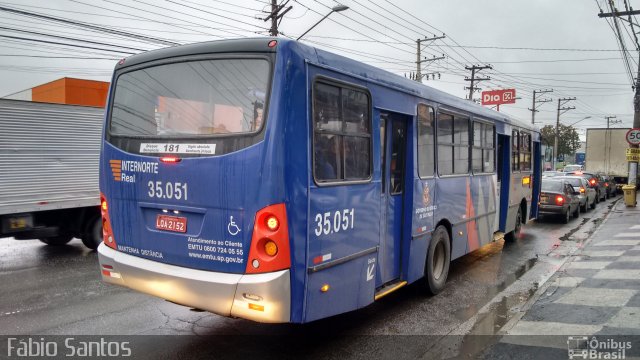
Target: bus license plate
[(171, 223)]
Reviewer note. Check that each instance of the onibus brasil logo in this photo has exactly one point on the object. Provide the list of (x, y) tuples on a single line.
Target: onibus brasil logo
[(583, 347)]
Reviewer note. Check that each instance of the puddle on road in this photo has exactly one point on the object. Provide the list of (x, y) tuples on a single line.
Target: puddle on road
[(567, 236), (484, 331), (470, 311), (491, 322)]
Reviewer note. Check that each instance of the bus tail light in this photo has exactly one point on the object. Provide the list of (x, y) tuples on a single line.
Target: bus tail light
[(170, 159), (559, 200), (107, 231), (269, 249)]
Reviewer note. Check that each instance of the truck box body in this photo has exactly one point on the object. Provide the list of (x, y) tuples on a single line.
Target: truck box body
[(49, 156), (606, 152)]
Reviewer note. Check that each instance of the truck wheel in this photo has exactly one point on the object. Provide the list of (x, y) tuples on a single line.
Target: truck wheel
[(57, 240), (513, 235), (436, 269), (92, 236)]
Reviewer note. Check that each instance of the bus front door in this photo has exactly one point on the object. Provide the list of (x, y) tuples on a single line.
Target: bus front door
[(393, 129)]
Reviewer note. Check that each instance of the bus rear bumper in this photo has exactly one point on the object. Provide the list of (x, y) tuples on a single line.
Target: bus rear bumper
[(257, 297)]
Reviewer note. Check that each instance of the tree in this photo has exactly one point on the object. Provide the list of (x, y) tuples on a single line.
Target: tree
[(568, 138)]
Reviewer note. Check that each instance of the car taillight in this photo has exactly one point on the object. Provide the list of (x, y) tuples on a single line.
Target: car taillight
[(582, 190), (269, 250), (559, 200), (592, 182), (606, 184), (107, 232)]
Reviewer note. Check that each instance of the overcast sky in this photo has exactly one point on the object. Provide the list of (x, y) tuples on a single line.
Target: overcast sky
[(541, 44)]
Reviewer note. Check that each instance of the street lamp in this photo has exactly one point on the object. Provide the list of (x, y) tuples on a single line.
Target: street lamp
[(336, 8), (584, 118)]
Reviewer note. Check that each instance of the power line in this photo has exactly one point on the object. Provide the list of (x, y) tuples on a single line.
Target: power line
[(65, 44), (88, 26), (69, 38)]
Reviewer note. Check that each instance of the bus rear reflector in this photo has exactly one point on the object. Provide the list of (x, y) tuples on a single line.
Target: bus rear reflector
[(107, 231), (269, 249)]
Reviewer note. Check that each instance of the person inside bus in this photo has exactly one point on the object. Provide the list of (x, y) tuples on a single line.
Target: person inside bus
[(258, 111), (326, 159)]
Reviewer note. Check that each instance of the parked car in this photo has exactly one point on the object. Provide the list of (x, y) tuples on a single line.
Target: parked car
[(610, 185), (587, 193), (559, 199), (595, 181)]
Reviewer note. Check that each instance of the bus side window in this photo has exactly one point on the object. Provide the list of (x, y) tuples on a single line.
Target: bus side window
[(426, 141), (341, 133), (383, 152), (327, 157), (515, 151)]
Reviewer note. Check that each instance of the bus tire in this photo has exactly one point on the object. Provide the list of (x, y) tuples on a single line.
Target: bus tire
[(57, 240), (438, 260), (92, 236), (513, 234)]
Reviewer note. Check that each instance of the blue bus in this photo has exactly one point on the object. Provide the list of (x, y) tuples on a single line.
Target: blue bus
[(268, 180)]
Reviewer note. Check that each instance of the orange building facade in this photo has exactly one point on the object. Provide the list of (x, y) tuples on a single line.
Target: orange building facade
[(72, 91)]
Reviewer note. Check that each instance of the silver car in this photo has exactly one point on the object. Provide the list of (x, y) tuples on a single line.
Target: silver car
[(587, 193)]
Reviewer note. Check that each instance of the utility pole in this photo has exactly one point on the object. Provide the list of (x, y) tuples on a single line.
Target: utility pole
[(474, 79), (633, 166), (533, 108), (561, 110), (418, 75), (276, 15), (609, 122)]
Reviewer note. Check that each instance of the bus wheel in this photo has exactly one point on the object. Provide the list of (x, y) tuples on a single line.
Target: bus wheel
[(57, 240), (513, 235), (438, 260), (92, 236)]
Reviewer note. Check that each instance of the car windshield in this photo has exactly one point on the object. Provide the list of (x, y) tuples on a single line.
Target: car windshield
[(552, 185), (569, 168), (574, 181)]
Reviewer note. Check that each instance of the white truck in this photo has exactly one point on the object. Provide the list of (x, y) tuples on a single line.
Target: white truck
[(49, 155), (605, 153)]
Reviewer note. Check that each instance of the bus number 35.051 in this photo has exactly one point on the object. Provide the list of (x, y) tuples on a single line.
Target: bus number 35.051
[(168, 190), (329, 223)]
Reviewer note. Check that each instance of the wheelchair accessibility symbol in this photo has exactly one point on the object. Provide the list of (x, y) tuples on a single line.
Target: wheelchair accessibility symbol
[(232, 227)]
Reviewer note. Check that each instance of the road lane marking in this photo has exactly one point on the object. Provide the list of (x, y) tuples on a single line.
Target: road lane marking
[(597, 265), (618, 274), (596, 297)]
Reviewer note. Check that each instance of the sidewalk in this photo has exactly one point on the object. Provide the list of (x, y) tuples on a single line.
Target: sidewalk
[(595, 293)]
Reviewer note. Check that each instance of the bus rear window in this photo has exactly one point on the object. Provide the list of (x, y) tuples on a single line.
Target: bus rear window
[(191, 99)]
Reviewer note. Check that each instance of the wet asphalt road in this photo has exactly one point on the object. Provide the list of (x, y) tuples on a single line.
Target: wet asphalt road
[(49, 290)]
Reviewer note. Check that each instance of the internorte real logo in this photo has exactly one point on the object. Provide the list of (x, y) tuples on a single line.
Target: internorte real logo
[(125, 170)]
